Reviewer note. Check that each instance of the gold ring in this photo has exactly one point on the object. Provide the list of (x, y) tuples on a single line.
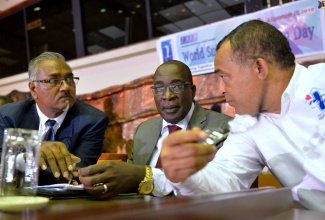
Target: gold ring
[(105, 189)]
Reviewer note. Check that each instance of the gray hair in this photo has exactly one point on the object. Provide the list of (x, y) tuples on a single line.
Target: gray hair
[(33, 66)]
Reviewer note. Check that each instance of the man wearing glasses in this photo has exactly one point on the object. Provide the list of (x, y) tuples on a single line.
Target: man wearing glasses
[(174, 94), (72, 131)]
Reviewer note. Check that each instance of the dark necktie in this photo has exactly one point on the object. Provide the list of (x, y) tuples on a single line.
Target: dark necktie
[(171, 129), (50, 134)]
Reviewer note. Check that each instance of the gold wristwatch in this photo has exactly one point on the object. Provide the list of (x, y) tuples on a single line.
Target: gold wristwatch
[(147, 184)]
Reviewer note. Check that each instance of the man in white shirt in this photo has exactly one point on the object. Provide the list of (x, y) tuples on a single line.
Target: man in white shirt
[(259, 78), (174, 94)]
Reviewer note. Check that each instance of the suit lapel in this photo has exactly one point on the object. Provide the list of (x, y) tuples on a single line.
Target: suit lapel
[(29, 120), (145, 153), (198, 118), (66, 130)]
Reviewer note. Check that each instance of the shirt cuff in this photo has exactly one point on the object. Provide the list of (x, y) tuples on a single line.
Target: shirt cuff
[(162, 187), (180, 189)]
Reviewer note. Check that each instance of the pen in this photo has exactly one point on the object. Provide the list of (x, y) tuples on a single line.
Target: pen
[(71, 176)]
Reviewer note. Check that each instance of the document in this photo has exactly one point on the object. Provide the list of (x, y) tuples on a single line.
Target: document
[(62, 191), (63, 186)]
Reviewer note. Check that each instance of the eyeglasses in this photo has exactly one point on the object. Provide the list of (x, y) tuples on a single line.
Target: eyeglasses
[(57, 82), (174, 88)]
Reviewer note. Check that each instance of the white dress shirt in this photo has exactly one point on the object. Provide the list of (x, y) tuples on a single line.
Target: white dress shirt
[(42, 129), (162, 186), (283, 142)]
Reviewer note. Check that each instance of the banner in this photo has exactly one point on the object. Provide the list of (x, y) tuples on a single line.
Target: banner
[(301, 22)]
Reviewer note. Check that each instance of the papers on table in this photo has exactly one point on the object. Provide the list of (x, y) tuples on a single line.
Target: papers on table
[(63, 186)]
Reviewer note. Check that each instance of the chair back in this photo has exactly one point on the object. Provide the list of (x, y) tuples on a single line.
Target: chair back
[(112, 156)]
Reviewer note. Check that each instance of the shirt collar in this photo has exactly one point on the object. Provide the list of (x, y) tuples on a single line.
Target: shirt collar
[(44, 118), (290, 92)]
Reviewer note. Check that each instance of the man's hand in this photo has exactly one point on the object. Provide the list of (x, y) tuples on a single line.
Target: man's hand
[(119, 177), (58, 157), (182, 155), (75, 178)]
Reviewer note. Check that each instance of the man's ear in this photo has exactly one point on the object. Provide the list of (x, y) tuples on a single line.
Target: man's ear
[(32, 89), (261, 68)]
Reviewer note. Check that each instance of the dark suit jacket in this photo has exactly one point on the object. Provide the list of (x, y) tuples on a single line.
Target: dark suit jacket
[(82, 130), (147, 133)]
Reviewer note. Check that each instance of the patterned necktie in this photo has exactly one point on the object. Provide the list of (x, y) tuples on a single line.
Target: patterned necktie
[(50, 134), (171, 129)]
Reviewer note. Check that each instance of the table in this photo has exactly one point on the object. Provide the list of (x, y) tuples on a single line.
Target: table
[(268, 203)]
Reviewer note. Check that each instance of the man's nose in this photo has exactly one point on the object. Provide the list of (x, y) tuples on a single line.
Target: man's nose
[(221, 87), (64, 84), (168, 94)]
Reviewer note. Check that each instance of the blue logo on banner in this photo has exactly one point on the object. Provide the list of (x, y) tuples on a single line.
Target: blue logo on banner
[(167, 50)]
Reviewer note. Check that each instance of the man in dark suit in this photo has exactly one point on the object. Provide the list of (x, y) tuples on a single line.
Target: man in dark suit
[(78, 127), (174, 94)]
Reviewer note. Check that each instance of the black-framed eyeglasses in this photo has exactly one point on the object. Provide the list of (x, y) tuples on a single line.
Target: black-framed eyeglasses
[(175, 88), (58, 81)]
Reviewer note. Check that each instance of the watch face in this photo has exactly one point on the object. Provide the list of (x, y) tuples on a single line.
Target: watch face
[(146, 187)]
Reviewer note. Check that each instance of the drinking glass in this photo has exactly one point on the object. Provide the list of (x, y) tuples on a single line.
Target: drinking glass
[(19, 162)]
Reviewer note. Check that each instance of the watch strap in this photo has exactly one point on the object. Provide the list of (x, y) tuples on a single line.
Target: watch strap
[(146, 186)]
